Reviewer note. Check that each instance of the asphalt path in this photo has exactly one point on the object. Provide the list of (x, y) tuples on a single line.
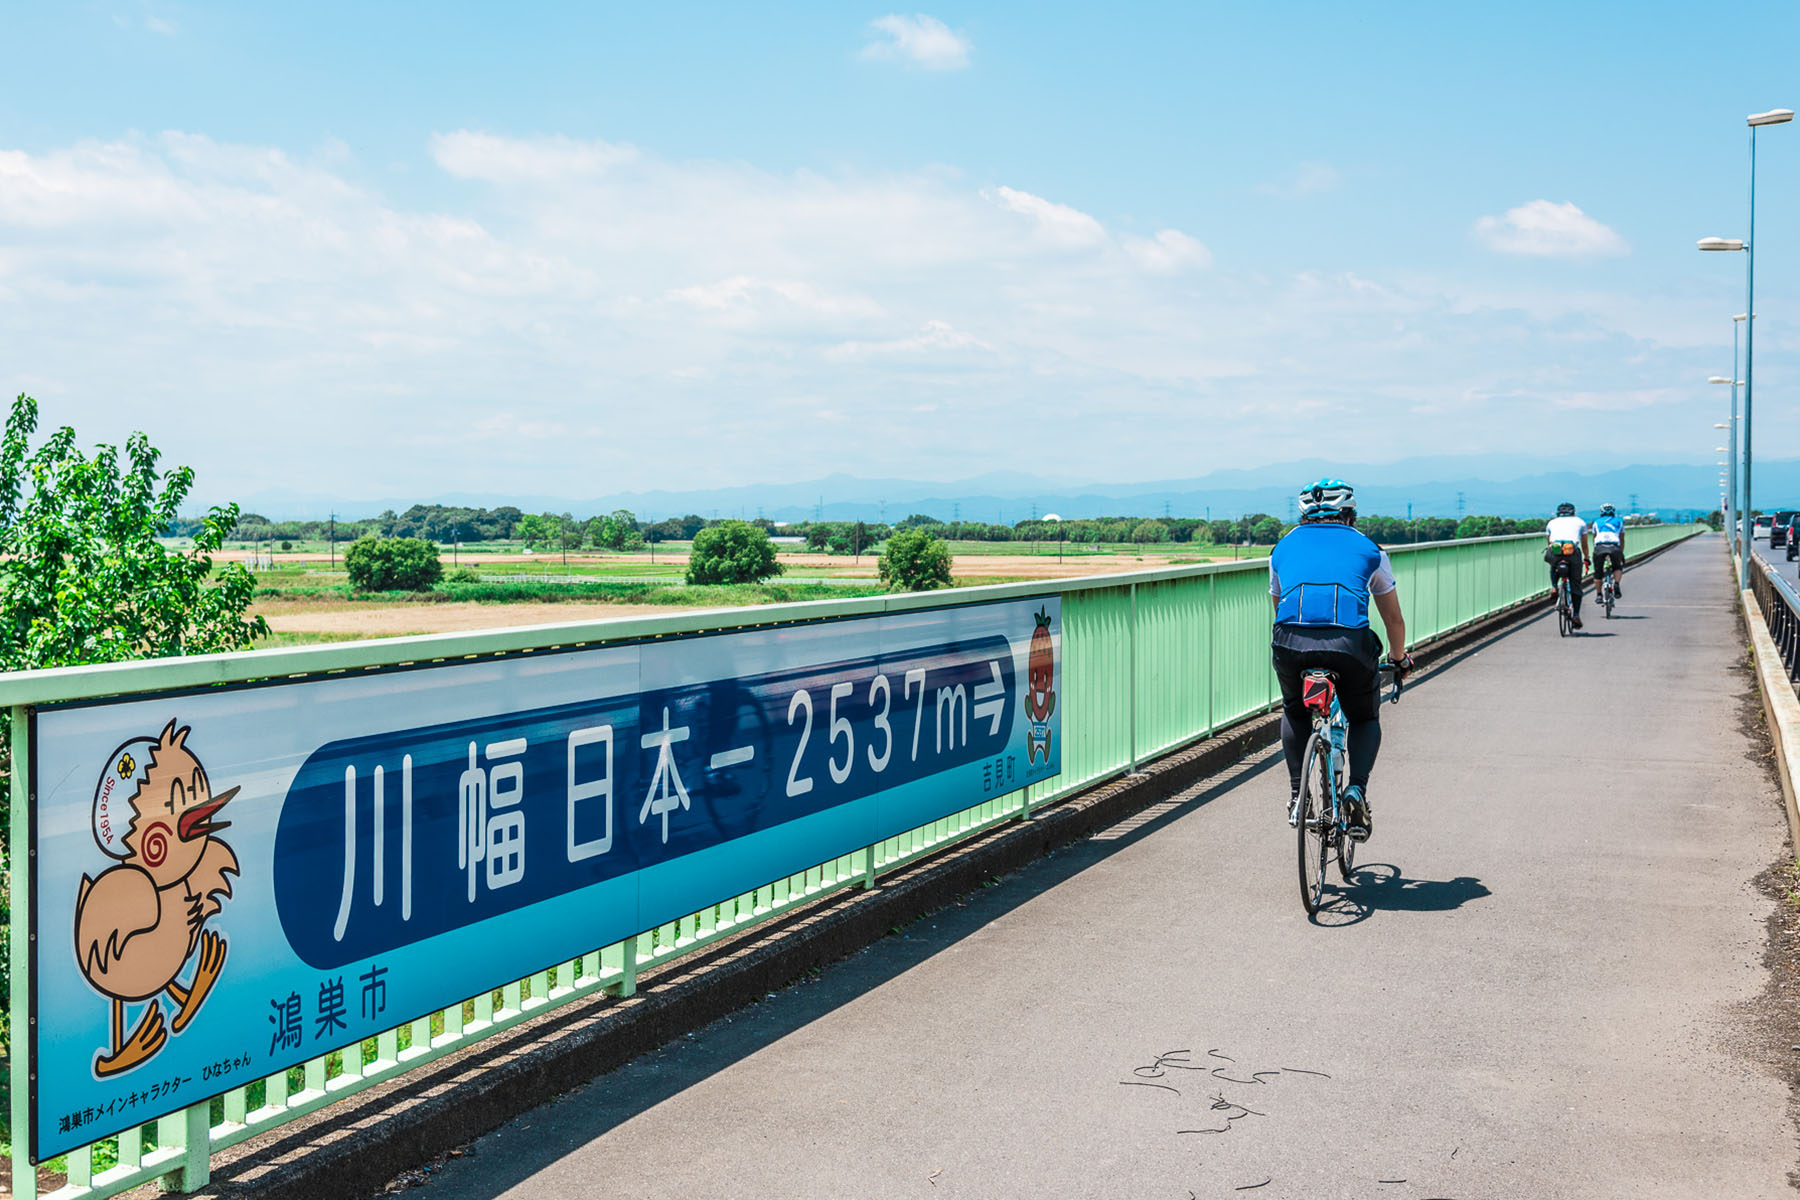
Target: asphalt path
[(1542, 982)]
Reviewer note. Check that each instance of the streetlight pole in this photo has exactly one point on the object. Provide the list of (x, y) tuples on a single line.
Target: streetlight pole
[(1775, 116)]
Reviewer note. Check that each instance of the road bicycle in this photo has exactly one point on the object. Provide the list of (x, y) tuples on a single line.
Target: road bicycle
[(1606, 591), (1565, 590), (1323, 824)]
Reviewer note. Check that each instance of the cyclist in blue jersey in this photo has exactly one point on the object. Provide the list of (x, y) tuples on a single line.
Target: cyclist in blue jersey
[(1322, 576), (1609, 547)]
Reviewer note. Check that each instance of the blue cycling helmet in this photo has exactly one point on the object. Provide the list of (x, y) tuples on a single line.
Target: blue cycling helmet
[(1326, 498)]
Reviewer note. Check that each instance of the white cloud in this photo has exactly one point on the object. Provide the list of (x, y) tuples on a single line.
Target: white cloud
[(1550, 230), (275, 320), (159, 25), (468, 155), (1168, 252), (1055, 222), (921, 40), (744, 299), (937, 337)]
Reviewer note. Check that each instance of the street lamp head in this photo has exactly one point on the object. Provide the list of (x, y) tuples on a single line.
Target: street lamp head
[(1775, 116), (1717, 379), (1739, 317), (1719, 425), (1719, 243)]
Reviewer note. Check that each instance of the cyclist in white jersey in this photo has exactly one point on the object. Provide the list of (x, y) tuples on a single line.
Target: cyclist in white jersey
[(1567, 552)]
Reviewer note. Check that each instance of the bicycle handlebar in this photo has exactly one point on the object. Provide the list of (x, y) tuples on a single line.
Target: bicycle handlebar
[(1399, 676)]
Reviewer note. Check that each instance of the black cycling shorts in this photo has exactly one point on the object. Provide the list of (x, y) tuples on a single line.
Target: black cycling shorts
[(1354, 655), (1604, 553)]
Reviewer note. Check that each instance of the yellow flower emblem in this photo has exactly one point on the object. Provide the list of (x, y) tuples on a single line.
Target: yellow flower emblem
[(126, 766)]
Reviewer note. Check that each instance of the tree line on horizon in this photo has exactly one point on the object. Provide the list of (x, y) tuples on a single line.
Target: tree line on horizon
[(622, 530)]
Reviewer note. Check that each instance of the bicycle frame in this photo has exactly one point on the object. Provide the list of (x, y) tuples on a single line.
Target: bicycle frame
[(1330, 730)]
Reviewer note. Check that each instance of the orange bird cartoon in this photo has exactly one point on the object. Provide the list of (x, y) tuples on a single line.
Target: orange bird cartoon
[(139, 922)]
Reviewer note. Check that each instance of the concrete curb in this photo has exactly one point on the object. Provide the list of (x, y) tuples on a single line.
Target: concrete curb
[(352, 1149), (1780, 705)]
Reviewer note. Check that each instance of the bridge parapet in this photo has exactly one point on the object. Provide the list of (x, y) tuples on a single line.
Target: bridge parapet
[(1139, 664)]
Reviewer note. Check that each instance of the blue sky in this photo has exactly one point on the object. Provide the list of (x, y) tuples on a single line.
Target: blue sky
[(574, 251)]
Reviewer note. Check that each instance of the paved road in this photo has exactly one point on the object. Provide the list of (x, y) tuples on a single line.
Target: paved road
[(1542, 984)]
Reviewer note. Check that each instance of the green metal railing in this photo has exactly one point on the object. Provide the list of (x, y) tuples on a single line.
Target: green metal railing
[(1152, 661)]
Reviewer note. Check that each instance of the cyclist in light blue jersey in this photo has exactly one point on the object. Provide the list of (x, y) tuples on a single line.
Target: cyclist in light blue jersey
[(1322, 577), (1609, 547)]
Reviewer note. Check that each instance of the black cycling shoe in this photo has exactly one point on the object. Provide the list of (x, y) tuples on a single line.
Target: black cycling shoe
[(1575, 624), (1361, 816)]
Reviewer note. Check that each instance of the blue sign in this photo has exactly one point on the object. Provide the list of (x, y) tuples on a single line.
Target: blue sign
[(253, 877)]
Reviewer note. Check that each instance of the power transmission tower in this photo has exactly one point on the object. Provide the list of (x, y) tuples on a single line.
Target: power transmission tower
[(956, 514), (1165, 510), (1634, 504), (1459, 507)]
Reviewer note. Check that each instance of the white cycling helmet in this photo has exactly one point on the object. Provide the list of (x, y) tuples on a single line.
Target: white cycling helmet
[(1326, 498)]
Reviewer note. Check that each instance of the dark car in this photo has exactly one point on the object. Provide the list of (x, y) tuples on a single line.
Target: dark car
[(1781, 531)]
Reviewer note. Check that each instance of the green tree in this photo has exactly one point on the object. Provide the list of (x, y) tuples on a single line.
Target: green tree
[(1150, 531), (914, 561), (732, 552), (538, 530), (83, 578), (392, 564), (1264, 529)]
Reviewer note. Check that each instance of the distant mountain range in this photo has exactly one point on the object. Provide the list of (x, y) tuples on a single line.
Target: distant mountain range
[(1501, 485)]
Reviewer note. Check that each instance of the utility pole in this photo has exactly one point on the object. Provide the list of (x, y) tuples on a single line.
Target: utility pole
[(333, 541)]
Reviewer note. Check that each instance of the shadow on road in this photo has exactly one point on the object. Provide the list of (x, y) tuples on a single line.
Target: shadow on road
[(576, 1118), (1381, 886)]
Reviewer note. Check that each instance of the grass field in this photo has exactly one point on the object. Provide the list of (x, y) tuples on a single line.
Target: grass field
[(306, 596)]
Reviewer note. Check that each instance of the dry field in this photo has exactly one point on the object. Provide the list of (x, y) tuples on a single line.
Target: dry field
[(395, 620), (328, 617)]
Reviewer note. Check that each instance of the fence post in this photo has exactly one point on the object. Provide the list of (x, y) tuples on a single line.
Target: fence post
[(1133, 684), (22, 1022), (1212, 644), (195, 1132), (628, 965)]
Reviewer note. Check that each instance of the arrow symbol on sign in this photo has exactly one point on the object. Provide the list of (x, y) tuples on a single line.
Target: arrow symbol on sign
[(990, 699)]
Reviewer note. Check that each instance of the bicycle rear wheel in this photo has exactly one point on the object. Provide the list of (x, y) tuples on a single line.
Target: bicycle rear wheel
[(1565, 613), (1609, 596), (1316, 822)]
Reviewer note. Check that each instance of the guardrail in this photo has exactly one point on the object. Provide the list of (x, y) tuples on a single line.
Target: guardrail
[(1779, 601), (1151, 661)]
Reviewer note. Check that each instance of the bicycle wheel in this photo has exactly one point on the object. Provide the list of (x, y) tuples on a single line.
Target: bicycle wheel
[(1609, 596), (1564, 613), (1346, 853), (1316, 823)]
